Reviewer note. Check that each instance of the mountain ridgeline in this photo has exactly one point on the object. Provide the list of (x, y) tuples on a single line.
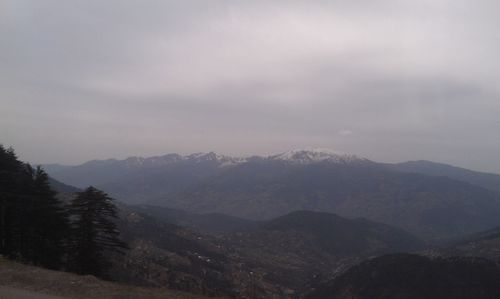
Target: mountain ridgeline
[(432, 201), (488, 181)]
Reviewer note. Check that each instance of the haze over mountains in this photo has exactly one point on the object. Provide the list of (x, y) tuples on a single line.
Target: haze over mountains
[(428, 199)]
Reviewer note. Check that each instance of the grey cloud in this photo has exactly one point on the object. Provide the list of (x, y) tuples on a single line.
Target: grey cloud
[(410, 79)]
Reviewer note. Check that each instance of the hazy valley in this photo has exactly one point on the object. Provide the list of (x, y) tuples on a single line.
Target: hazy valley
[(288, 224)]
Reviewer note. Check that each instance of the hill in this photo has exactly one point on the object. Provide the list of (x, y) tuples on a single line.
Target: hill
[(342, 236), (484, 244), (288, 254), (412, 276), (211, 222), (161, 254)]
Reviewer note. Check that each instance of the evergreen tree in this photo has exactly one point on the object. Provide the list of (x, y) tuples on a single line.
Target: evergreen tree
[(50, 226), (33, 223), (94, 232), (10, 172)]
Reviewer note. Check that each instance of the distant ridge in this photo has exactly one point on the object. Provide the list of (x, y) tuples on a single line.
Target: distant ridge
[(489, 181), (416, 199), (301, 155)]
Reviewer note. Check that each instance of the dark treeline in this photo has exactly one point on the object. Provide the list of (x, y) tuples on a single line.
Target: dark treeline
[(38, 228)]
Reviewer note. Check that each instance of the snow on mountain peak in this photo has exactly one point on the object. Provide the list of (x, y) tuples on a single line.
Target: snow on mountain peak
[(296, 156), (221, 159), (315, 155)]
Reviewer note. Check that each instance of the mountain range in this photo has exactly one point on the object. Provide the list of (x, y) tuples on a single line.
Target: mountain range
[(302, 224), (431, 200)]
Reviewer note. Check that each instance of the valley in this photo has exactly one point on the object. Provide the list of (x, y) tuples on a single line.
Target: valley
[(288, 225)]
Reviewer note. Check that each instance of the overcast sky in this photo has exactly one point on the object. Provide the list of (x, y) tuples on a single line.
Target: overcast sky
[(390, 80)]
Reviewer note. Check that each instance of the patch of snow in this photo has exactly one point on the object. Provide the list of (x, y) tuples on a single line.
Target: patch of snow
[(316, 155)]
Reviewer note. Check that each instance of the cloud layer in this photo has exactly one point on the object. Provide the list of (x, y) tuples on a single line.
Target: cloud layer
[(390, 80)]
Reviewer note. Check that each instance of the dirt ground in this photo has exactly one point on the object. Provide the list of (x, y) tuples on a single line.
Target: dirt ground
[(8, 293), (27, 282)]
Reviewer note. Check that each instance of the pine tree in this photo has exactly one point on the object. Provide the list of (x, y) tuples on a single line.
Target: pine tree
[(10, 172), (94, 232), (49, 221), (33, 222)]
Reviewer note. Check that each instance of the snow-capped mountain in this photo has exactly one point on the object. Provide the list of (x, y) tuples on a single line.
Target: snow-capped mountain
[(296, 156), (317, 155), (312, 179), (159, 161), (221, 160)]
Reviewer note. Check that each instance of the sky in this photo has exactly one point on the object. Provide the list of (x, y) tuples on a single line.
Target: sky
[(390, 80)]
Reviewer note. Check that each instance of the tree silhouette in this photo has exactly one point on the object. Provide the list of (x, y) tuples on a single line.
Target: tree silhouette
[(10, 191), (50, 226), (94, 232), (33, 222)]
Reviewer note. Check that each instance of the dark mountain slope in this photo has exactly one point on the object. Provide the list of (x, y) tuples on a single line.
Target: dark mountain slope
[(140, 186), (412, 276), (342, 236), (51, 168), (484, 244), (212, 222), (61, 187), (294, 251), (280, 258), (486, 180), (137, 180), (90, 173), (431, 207), (166, 255)]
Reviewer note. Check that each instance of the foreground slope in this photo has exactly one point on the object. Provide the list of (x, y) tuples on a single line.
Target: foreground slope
[(412, 276), (24, 281)]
